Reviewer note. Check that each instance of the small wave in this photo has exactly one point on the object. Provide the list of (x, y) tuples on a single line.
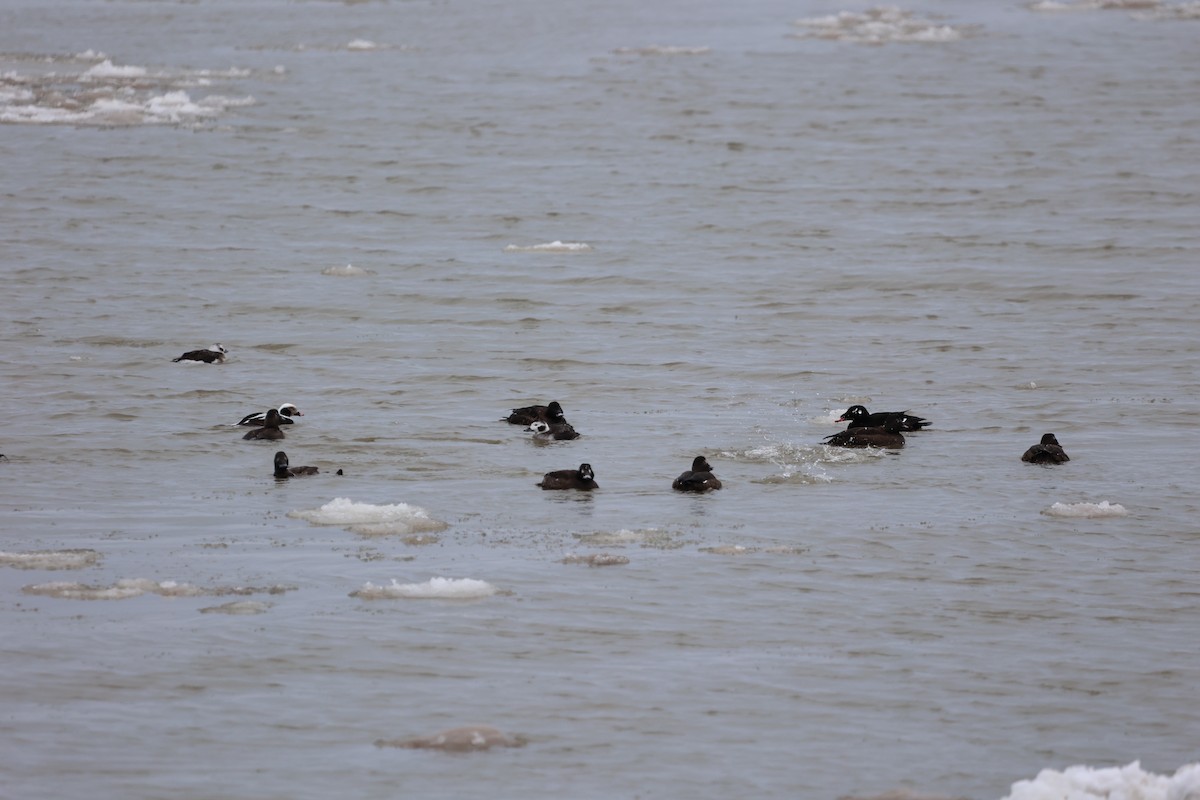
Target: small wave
[(649, 538), (662, 50), (1090, 783), (238, 608), (549, 247), (348, 271), (371, 520), (50, 559), (1184, 11), (879, 25), (1096, 510), (458, 740), (135, 587), (729, 550), (106, 70), (597, 560), (434, 588), (362, 44), (1094, 5)]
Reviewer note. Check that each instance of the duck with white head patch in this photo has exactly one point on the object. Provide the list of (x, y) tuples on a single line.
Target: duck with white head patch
[(259, 418), (213, 355), (583, 479)]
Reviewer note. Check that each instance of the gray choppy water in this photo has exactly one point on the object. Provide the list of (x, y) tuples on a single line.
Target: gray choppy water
[(987, 216)]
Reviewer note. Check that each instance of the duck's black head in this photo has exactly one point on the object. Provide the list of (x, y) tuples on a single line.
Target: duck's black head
[(1049, 438), (854, 413), (700, 464), (281, 465), (585, 472), (273, 419), (554, 411)]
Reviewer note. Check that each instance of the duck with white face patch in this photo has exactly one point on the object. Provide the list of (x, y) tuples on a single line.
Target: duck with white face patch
[(215, 354)]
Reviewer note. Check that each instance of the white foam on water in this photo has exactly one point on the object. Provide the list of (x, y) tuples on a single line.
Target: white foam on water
[(1184, 11), (371, 520), (597, 559), (49, 559), (135, 587), (458, 740), (238, 608), (1094, 5), (1096, 510), (432, 589), (662, 50), (348, 271), (549, 247), (111, 95), (361, 44), (1130, 782), (879, 25)]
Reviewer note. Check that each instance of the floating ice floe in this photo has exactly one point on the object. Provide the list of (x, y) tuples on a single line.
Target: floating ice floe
[(879, 25), (549, 247), (134, 587), (1130, 782), (367, 519), (459, 740), (432, 589), (1101, 509), (49, 559)]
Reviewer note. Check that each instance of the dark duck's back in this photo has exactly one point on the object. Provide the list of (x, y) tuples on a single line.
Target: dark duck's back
[(551, 413), (859, 417), (888, 435), (1047, 451), (699, 478), (282, 470), (582, 478), (213, 355), (269, 429)]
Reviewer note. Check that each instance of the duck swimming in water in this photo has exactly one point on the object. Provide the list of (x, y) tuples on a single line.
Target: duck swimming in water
[(699, 478), (582, 478), (286, 412), (269, 429), (527, 415), (888, 435), (213, 355), (282, 470), (1047, 451), (859, 417)]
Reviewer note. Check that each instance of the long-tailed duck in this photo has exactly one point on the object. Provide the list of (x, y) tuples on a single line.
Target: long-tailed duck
[(888, 435), (1047, 451), (859, 417), (527, 415), (282, 470), (269, 429), (286, 412), (213, 355), (581, 478), (547, 431), (699, 478)]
